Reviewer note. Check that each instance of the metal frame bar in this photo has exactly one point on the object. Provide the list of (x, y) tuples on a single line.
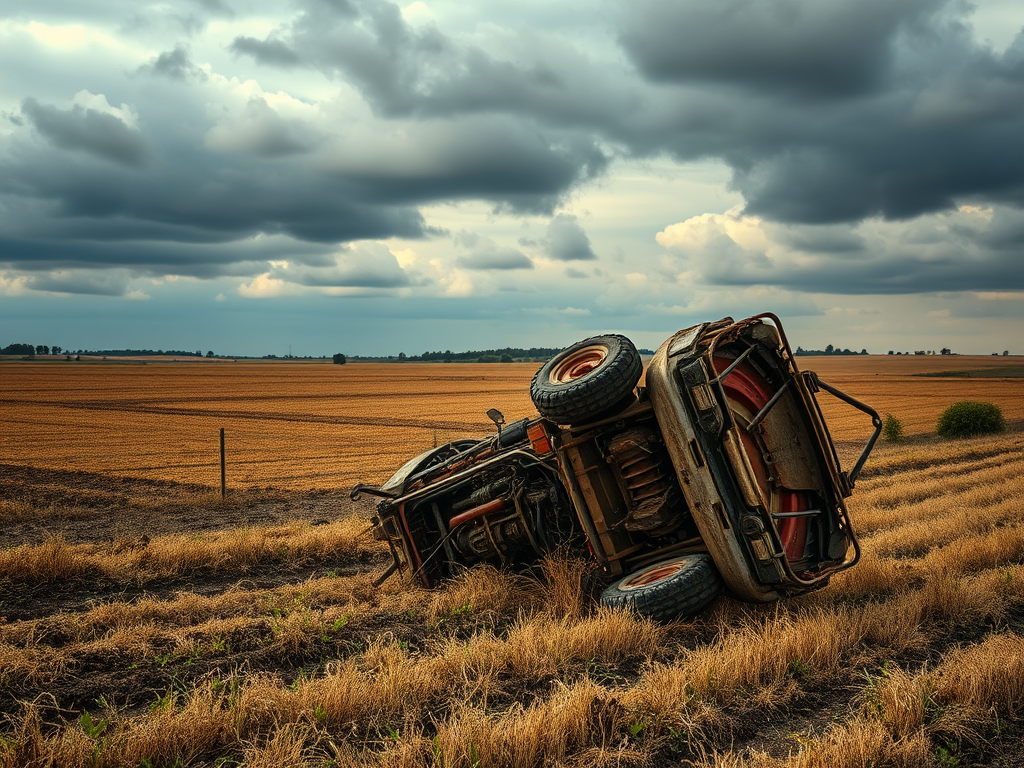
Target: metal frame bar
[(799, 513), (743, 356), (876, 421), (752, 426), (793, 371)]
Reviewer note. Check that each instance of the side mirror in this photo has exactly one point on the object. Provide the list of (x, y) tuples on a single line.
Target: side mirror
[(497, 417)]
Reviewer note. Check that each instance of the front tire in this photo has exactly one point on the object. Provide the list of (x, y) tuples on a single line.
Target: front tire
[(672, 589), (588, 380)]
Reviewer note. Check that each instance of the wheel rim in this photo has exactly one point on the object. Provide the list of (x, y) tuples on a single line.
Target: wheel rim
[(651, 575), (578, 364)]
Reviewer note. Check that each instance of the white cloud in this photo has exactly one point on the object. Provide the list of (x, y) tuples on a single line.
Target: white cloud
[(406, 257), (458, 284), (264, 287), (71, 36), (1000, 295), (99, 103), (944, 251), (417, 13), (13, 285)]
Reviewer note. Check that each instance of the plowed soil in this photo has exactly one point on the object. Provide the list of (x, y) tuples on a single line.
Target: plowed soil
[(302, 426)]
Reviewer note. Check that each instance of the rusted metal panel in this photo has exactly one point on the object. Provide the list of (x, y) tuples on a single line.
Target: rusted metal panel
[(697, 483), (752, 493), (603, 498), (790, 455)]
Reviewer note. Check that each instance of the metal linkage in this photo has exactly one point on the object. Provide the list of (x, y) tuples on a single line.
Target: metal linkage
[(768, 406), (876, 421), (798, 513), (743, 356)]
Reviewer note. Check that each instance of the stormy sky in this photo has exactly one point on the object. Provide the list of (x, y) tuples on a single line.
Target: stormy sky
[(375, 178)]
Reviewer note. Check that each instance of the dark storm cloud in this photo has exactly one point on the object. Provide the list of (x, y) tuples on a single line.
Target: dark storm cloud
[(220, 169), (566, 240), (823, 239), (259, 130), (826, 112), (270, 51), (88, 130), (817, 49), (405, 71), (966, 250), (218, 194), (483, 253), (216, 8), (85, 282), (70, 206), (834, 112), (163, 257), (367, 265), (174, 65), (500, 258), (515, 165)]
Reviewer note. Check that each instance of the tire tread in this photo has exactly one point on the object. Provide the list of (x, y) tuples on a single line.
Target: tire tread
[(678, 596), (592, 395)]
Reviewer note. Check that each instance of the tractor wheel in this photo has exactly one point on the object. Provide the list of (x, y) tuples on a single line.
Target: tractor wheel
[(671, 589), (592, 378)]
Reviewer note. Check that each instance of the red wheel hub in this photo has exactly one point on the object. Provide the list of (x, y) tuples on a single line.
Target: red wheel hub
[(578, 364), (748, 393), (651, 575)]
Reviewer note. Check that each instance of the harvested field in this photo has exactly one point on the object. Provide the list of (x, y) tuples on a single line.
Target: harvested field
[(145, 621), (319, 426), (908, 388), (290, 425)]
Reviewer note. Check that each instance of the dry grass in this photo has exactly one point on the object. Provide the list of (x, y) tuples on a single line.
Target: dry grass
[(145, 560)]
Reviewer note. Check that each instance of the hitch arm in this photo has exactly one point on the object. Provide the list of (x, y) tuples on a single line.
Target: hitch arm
[(876, 421), (360, 488)]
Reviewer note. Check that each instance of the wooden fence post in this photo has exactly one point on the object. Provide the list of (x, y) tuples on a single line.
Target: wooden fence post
[(223, 468)]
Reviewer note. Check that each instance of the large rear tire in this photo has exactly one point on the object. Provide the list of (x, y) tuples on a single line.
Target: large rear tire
[(672, 589), (588, 380)]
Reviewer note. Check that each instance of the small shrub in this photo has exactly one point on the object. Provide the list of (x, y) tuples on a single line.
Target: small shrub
[(892, 429), (967, 418)]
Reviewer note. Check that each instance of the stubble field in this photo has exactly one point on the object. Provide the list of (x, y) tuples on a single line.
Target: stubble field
[(146, 622)]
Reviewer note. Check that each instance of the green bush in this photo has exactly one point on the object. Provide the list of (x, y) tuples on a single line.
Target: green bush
[(967, 418), (892, 429)]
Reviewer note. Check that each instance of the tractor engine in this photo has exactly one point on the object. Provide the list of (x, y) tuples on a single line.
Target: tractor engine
[(511, 513)]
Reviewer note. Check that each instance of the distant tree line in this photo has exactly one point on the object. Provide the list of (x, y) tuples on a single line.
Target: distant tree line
[(18, 349), (471, 356), (28, 349), (144, 353), (829, 350), (504, 355), (42, 349), (945, 351)]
